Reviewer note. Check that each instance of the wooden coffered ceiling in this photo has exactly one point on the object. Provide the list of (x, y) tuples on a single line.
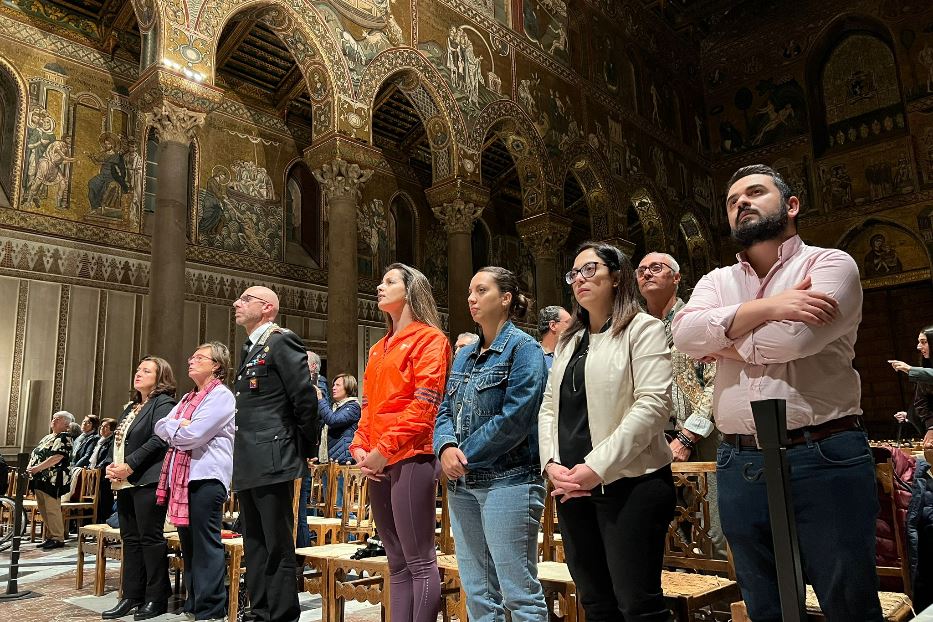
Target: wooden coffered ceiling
[(252, 60), (399, 132)]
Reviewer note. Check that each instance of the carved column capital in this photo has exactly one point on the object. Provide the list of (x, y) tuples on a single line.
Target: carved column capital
[(175, 123), (458, 216), (544, 234), (340, 179)]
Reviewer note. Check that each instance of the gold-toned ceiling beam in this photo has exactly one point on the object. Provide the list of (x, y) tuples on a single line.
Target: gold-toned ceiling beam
[(415, 137), (386, 95), (291, 86), (123, 17), (228, 46)]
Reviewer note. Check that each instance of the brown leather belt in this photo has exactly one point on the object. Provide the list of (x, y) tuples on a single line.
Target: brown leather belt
[(799, 436)]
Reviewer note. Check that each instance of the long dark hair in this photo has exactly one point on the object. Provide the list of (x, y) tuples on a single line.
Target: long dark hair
[(926, 361), (507, 282), (165, 379), (625, 303), (419, 296)]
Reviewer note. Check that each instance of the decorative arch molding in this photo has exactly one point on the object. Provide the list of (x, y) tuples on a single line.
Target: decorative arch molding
[(148, 13), (18, 131), (506, 110), (643, 198), (590, 169), (419, 80), (306, 36), (696, 237)]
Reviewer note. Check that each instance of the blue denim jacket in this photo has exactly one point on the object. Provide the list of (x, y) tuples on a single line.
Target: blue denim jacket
[(490, 409)]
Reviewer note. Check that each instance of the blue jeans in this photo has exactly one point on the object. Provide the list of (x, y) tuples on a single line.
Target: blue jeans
[(496, 535), (835, 503)]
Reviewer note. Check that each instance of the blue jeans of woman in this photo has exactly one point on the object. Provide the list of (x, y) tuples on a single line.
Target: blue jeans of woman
[(835, 502), (496, 536)]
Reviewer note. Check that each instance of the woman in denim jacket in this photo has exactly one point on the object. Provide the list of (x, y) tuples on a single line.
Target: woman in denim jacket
[(486, 439)]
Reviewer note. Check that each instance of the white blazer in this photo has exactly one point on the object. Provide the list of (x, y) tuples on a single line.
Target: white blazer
[(628, 396)]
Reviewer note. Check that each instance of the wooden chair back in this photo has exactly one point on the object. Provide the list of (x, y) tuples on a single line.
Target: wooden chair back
[(321, 502), (296, 497), (443, 534), (688, 544), (231, 507), (356, 513), (887, 485), (550, 546)]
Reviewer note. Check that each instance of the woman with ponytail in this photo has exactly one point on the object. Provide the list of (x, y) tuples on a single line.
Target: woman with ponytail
[(486, 439)]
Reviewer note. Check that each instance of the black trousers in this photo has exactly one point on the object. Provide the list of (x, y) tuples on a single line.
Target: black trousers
[(203, 551), (145, 554), (614, 546), (269, 546), (104, 499)]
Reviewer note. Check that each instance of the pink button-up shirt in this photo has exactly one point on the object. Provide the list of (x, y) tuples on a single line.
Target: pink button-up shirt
[(809, 366)]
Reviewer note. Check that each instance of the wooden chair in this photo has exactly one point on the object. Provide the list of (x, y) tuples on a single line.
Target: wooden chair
[(443, 535), (362, 580), (894, 607), (84, 510), (315, 564), (356, 514), (103, 542), (550, 545), (887, 486), (326, 527), (694, 578)]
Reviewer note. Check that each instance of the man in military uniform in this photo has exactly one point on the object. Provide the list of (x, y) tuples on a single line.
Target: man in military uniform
[(276, 428)]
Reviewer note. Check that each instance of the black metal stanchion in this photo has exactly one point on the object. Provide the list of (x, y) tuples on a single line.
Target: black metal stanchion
[(12, 588), (771, 426)]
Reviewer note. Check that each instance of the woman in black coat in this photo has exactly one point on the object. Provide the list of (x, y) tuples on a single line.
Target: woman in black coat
[(134, 473)]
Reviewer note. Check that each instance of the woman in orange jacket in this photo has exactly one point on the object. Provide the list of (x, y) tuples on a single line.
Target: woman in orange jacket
[(402, 390)]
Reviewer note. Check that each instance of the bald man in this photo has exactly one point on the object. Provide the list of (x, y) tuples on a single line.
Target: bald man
[(276, 428)]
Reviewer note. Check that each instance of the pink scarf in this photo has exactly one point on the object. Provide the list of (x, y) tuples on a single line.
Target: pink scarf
[(173, 487)]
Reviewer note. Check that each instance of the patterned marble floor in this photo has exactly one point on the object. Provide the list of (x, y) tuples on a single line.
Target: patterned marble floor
[(51, 577)]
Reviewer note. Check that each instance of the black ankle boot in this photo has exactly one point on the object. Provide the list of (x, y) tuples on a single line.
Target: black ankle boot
[(124, 607), (151, 610)]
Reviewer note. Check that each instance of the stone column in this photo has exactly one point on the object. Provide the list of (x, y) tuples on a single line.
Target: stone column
[(458, 218), (175, 127), (342, 183), (545, 234), (458, 203)]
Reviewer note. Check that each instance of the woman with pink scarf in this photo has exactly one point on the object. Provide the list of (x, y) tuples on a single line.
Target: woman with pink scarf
[(196, 477)]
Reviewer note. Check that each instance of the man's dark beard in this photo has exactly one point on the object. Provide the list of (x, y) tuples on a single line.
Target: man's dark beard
[(765, 228)]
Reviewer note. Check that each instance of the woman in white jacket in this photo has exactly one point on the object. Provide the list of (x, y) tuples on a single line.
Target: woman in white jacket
[(602, 445)]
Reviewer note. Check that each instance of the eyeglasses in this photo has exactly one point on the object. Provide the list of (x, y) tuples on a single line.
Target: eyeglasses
[(248, 298), (200, 358), (655, 267), (587, 270)]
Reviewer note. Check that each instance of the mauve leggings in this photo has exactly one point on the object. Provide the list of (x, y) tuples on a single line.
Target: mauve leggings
[(403, 507)]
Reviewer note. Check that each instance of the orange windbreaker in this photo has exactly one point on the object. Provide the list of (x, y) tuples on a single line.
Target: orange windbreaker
[(403, 387)]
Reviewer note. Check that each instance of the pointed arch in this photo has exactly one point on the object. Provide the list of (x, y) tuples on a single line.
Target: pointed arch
[(304, 32), (523, 143), (507, 110), (424, 86), (592, 173)]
